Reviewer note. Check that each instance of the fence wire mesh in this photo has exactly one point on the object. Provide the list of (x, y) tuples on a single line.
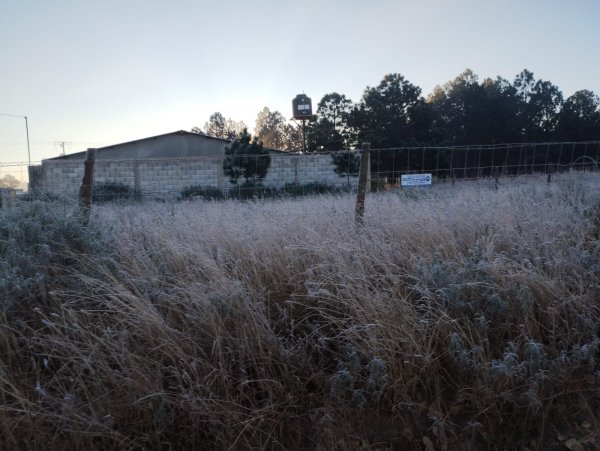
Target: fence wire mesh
[(14, 175), (475, 162), (311, 174)]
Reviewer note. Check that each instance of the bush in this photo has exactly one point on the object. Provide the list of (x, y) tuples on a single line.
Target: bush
[(347, 163), (111, 191), (468, 321), (246, 158), (307, 189), (203, 192), (255, 190), (32, 196), (38, 241), (252, 190)]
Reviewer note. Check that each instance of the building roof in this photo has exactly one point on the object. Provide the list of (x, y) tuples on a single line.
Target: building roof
[(179, 132), (183, 133)]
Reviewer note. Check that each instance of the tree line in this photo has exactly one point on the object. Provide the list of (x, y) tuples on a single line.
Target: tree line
[(463, 111)]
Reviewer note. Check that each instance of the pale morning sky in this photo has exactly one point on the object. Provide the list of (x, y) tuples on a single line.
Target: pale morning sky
[(96, 73)]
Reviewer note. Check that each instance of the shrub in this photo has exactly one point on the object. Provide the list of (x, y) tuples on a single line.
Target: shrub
[(256, 190), (347, 163), (296, 189), (32, 196), (202, 192), (464, 319), (252, 190), (246, 158), (37, 241), (112, 191)]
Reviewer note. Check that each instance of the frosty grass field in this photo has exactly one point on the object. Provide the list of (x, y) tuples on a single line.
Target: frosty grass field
[(462, 317)]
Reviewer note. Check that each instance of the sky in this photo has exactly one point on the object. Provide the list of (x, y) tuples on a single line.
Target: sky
[(92, 73)]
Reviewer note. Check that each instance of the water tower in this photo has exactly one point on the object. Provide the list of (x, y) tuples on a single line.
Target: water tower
[(302, 108)]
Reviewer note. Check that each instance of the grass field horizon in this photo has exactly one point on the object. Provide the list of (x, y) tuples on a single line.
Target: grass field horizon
[(460, 317)]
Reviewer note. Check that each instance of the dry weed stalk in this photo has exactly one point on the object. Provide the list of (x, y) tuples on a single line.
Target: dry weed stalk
[(466, 316)]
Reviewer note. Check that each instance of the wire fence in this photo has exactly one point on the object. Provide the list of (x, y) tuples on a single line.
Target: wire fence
[(14, 175), (476, 162), (291, 175)]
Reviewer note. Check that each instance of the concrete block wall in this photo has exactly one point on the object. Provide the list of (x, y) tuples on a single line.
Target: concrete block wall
[(61, 178), (166, 178), (320, 168), (114, 171), (302, 169), (284, 169)]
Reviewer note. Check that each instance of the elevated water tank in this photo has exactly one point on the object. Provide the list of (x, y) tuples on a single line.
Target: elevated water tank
[(302, 106)]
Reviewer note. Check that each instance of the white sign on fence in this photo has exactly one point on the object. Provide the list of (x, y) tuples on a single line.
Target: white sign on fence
[(416, 180)]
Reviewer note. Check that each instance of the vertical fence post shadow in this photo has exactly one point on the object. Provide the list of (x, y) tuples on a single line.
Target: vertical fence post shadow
[(362, 182), (87, 185)]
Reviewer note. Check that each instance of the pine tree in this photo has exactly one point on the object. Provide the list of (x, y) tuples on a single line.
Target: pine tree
[(246, 157)]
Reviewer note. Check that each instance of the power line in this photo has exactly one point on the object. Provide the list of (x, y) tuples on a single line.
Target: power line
[(62, 144), (16, 163), (12, 115), (8, 143)]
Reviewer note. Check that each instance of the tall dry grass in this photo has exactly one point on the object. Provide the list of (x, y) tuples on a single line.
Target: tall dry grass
[(460, 318)]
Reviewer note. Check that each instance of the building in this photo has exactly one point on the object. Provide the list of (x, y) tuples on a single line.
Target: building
[(164, 165)]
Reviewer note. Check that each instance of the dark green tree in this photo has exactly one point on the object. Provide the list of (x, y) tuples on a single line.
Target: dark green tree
[(458, 106), (246, 157), (579, 118), (500, 111), (540, 104), (469, 112), (347, 163), (392, 114), (331, 131)]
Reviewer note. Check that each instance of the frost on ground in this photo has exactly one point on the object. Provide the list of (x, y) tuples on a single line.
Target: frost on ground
[(462, 317)]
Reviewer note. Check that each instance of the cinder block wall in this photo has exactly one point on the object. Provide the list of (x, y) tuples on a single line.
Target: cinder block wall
[(166, 178), (303, 169), (62, 178)]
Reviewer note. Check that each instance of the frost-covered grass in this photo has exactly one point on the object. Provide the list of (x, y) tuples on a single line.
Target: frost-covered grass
[(463, 316)]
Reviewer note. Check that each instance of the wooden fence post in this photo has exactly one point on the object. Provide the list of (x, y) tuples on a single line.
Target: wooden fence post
[(87, 185), (362, 182)]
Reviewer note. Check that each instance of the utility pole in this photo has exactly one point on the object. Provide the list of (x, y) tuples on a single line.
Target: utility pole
[(61, 144), (26, 131)]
